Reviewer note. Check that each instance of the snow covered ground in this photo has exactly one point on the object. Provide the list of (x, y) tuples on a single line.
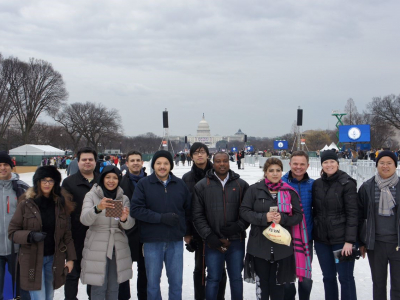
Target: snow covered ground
[(251, 174)]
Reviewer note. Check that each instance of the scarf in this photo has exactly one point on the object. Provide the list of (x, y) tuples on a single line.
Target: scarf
[(198, 173), (386, 201), (299, 231), (135, 178)]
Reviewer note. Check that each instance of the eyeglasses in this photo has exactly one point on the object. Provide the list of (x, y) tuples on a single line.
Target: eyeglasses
[(199, 152), (44, 181), (389, 164)]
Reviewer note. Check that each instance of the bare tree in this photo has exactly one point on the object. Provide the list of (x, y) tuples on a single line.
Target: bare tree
[(353, 117), (381, 133), (94, 122), (386, 109), (6, 108), (33, 87)]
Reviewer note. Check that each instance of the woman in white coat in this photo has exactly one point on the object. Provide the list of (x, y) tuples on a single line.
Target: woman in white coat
[(106, 257)]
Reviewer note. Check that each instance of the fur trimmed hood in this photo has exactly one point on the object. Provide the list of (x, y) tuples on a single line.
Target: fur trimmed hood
[(65, 200)]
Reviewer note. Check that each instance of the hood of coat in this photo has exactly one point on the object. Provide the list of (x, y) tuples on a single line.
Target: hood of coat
[(98, 191), (65, 200)]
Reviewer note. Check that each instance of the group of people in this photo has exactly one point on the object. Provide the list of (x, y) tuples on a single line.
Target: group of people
[(93, 225)]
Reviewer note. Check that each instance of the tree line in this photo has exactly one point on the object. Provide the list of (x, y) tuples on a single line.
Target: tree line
[(34, 88)]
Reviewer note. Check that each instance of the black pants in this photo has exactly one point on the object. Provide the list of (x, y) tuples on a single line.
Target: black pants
[(72, 282), (124, 292), (379, 258), (266, 272), (199, 270)]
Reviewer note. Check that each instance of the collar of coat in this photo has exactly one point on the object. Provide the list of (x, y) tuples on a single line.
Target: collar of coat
[(99, 191), (65, 201), (154, 178)]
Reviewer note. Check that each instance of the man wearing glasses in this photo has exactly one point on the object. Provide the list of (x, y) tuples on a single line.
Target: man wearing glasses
[(78, 185), (201, 164), (379, 216)]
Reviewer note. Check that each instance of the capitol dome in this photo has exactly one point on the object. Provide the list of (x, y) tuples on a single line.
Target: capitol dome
[(203, 129)]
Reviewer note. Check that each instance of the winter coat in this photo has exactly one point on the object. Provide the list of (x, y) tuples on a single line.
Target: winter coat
[(73, 167), (304, 188), (366, 209), (151, 199), (78, 186), (191, 178), (10, 191), (27, 218), (335, 209), (104, 235), (255, 206), (215, 206), (133, 234)]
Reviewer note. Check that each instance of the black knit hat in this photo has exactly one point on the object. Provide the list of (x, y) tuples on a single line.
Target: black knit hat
[(387, 153), (328, 154), (162, 153), (44, 172), (5, 158)]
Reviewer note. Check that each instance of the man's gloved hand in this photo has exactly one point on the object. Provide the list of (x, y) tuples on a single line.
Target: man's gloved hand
[(36, 237), (230, 229), (192, 246), (170, 219), (213, 242)]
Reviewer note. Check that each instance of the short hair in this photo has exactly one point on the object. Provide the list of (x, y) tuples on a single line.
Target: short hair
[(86, 150), (196, 146), (108, 157), (133, 152), (220, 152), (300, 153), (101, 156), (272, 161)]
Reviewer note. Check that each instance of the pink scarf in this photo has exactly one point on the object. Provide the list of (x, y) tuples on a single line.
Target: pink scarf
[(299, 231)]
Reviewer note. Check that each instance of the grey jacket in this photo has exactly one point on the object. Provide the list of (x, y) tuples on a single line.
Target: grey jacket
[(10, 190), (73, 167), (104, 235)]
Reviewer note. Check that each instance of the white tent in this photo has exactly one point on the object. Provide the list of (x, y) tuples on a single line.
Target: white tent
[(41, 150), (333, 146), (325, 148)]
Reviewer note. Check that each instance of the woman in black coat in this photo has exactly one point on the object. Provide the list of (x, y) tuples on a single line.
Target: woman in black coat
[(335, 214)]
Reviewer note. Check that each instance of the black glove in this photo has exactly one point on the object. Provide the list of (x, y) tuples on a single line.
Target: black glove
[(36, 237), (230, 229), (170, 219), (192, 246), (213, 242)]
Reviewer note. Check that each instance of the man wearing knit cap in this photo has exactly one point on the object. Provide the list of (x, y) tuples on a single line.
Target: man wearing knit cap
[(379, 217), (10, 189), (161, 203)]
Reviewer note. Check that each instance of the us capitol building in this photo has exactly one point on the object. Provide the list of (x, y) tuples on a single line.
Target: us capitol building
[(203, 135)]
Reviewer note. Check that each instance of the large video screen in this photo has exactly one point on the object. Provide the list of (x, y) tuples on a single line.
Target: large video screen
[(280, 145), (354, 133)]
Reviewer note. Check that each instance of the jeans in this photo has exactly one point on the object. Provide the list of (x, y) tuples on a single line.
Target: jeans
[(109, 289), (199, 271), (379, 258), (72, 282), (24, 295), (170, 253), (215, 261), (330, 269), (46, 291), (305, 286)]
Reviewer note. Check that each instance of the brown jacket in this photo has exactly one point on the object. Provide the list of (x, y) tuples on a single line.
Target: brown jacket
[(27, 218)]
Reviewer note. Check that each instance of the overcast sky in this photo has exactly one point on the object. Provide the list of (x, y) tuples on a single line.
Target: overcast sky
[(245, 64)]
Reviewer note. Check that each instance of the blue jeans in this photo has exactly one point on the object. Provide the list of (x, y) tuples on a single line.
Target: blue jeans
[(215, 261), (170, 253), (46, 292), (330, 269)]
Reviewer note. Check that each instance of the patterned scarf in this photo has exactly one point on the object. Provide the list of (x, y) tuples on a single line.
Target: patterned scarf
[(299, 231), (386, 201)]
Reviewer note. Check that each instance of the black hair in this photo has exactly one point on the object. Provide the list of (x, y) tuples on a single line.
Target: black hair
[(86, 150), (220, 152), (133, 152), (197, 146)]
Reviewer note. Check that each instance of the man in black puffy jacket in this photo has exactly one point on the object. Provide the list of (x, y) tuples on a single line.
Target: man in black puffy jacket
[(215, 211)]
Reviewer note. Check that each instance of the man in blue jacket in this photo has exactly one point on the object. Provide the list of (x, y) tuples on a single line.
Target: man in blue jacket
[(161, 202), (298, 178)]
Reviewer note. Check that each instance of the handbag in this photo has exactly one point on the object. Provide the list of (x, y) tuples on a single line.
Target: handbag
[(277, 234)]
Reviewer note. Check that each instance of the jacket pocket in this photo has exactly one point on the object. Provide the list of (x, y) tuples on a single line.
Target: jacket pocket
[(29, 221), (62, 221)]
